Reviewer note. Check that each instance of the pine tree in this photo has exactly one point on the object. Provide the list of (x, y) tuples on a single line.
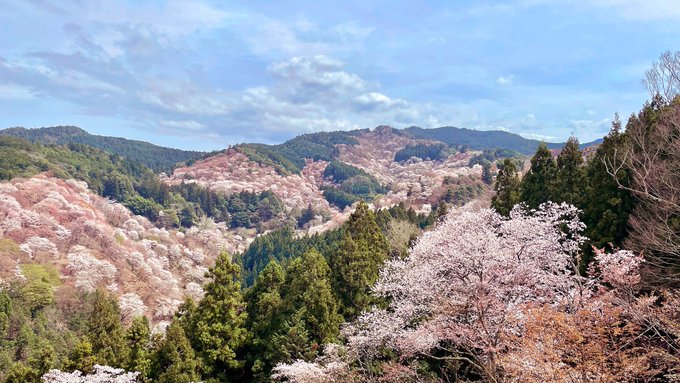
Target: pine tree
[(265, 317), (138, 338), (81, 358), (217, 327), (308, 289), (570, 182), (105, 331), (606, 206), (356, 263), (174, 359), (538, 184), (507, 188), (487, 177)]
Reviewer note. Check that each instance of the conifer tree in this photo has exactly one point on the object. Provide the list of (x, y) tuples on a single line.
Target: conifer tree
[(138, 338), (81, 358), (217, 327), (507, 188), (105, 331), (308, 289), (538, 184), (265, 317), (606, 206), (487, 177), (570, 182), (357, 261), (175, 360)]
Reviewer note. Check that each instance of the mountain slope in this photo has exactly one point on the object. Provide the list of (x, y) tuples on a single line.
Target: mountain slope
[(483, 139), (158, 158), (95, 243)]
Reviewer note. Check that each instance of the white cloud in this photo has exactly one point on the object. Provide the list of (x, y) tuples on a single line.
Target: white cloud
[(505, 80), (11, 92)]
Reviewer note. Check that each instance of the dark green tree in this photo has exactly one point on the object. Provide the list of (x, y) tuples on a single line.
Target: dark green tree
[(174, 359), (570, 181), (538, 184), (606, 206), (138, 336), (308, 289), (507, 188), (356, 263), (487, 177), (217, 328), (265, 317), (105, 331)]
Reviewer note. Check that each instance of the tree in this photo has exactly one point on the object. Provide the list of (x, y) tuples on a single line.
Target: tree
[(570, 181), (217, 327), (663, 78), (105, 331), (357, 261), (606, 206), (174, 359), (138, 338), (487, 177), (265, 317), (308, 289), (652, 158), (101, 374), (506, 187), (538, 184), (459, 288), (81, 358)]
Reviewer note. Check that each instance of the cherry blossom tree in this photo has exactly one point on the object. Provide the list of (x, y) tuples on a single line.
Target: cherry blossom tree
[(102, 374)]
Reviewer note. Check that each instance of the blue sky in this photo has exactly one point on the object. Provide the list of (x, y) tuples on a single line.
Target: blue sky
[(203, 74)]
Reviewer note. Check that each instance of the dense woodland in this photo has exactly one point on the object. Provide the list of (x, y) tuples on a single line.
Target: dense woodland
[(571, 276), (158, 158)]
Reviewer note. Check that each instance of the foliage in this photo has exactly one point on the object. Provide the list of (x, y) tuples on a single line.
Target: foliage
[(491, 155), (507, 188), (158, 158), (538, 184), (217, 327), (434, 152)]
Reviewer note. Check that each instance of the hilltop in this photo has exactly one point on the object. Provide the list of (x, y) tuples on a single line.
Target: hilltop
[(158, 158)]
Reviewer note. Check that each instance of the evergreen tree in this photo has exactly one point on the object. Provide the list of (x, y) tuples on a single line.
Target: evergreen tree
[(308, 289), (81, 358), (606, 206), (538, 184), (138, 338), (217, 327), (356, 263), (506, 188), (105, 331), (265, 317), (175, 360), (570, 182), (487, 177)]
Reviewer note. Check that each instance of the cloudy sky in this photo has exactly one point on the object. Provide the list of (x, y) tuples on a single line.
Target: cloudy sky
[(203, 74)]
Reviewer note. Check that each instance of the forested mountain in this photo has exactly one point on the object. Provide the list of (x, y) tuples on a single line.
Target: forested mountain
[(158, 158), (483, 139)]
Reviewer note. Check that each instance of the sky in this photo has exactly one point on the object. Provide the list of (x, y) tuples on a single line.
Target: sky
[(204, 74)]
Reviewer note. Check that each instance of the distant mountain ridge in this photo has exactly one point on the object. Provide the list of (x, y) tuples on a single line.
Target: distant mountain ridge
[(158, 158), (484, 139)]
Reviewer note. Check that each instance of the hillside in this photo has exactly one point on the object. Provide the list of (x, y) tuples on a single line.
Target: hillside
[(368, 156), (93, 243), (158, 158), (483, 139)]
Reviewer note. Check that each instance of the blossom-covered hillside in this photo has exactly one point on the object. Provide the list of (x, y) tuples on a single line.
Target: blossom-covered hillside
[(93, 243), (231, 172)]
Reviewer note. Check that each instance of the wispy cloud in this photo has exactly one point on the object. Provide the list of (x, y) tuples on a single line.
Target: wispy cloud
[(198, 72)]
